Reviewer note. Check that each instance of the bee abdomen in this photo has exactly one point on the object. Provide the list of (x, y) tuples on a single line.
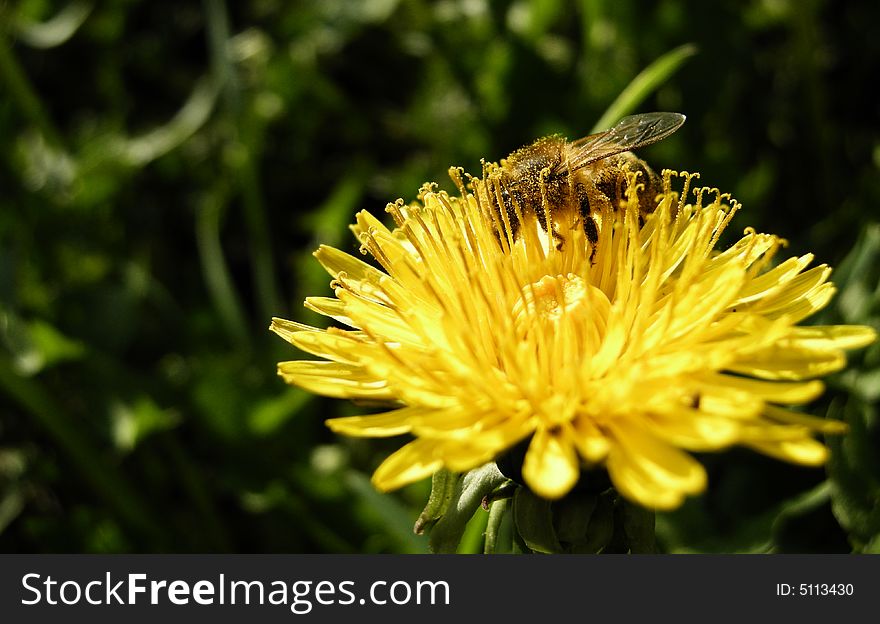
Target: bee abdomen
[(613, 182)]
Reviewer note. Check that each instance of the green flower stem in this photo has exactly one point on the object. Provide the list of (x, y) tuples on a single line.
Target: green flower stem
[(261, 247), (469, 492), (218, 40), (245, 162), (215, 271), (496, 514)]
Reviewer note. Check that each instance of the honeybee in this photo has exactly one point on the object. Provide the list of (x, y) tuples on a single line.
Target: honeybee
[(554, 179)]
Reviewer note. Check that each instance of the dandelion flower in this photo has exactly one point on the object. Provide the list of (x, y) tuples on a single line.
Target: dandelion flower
[(624, 353)]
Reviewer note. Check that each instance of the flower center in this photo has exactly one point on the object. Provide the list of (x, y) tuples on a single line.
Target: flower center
[(552, 298), (554, 301), (561, 321)]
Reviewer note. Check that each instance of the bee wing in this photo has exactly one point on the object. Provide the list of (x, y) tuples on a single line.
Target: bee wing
[(629, 133)]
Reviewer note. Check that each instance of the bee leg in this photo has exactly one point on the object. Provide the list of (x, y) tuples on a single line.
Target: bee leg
[(592, 232), (560, 240), (509, 208), (590, 228)]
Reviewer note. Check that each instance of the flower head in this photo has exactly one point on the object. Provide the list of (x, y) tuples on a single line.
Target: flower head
[(624, 352)]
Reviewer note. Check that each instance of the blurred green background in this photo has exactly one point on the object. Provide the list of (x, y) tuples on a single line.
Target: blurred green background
[(167, 169)]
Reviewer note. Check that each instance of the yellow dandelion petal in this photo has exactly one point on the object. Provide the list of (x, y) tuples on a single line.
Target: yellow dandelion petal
[(342, 347), (490, 430), (414, 461), (789, 362), (693, 430), (804, 451), (338, 263), (379, 319), (330, 307), (334, 379), (724, 402), (826, 426), (551, 464), (833, 337), (391, 423), (651, 472), (286, 329), (461, 457), (589, 441), (795, 392), (616, 336), (772, 281), (810, 302)]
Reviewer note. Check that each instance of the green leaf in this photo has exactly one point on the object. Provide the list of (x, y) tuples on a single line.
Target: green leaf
[(692, 528), (447, 534), (36, 345), (855, 474), (857, 280), (56, 30), (270, 414), (601, 527), (443, 485), (571, 516), (638, 525), (650, 78), (395, 517), (133, 422), (473, 538)]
